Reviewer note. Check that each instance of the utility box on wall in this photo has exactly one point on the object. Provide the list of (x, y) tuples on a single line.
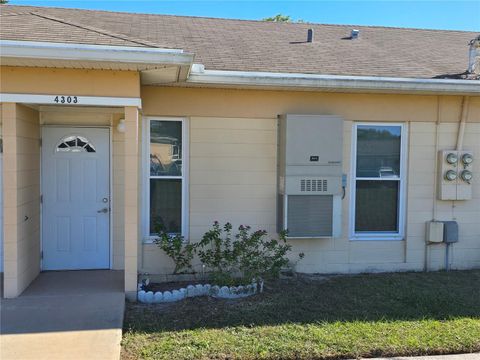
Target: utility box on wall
[(310, 152), (434, 232), (441, 232), (455, 172)]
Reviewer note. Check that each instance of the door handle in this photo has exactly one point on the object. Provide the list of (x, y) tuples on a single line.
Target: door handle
[(104, 210)]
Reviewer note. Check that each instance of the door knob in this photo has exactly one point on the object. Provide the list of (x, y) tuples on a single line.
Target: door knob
[(104, 210)]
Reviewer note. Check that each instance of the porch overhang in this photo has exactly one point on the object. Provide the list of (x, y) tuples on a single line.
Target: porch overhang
[(156, 65)]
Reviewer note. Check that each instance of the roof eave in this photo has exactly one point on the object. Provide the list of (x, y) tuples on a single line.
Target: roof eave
[(151, 62), (125, 57), (289, 81)]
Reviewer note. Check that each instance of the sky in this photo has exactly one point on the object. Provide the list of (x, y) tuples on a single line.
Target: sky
[(428, 14)]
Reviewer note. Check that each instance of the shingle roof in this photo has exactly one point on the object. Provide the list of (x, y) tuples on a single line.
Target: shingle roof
[(243, 45)]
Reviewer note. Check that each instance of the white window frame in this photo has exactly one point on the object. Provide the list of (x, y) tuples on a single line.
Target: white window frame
[(147, 238), (402, 196)]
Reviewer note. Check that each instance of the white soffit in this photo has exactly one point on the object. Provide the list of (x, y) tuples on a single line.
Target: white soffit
[(168, 74), (63, 55)]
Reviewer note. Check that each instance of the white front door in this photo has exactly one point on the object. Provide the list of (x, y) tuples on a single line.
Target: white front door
[(76, 198)]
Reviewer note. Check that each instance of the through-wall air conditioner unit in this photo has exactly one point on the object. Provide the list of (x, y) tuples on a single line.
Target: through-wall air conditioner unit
[(310, 152)]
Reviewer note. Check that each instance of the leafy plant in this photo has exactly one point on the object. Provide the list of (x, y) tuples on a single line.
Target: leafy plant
[(260, 258), (250, 256), (217, 252), (175, 247), (232, 260)]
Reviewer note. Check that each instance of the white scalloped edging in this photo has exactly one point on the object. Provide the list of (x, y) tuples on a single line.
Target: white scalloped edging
[(224, 292)]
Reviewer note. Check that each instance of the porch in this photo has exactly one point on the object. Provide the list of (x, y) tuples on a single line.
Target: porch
[(57, 227), (65, 315), (75, 85)]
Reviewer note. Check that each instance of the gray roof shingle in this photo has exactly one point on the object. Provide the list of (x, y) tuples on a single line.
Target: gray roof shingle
[(244, 45)]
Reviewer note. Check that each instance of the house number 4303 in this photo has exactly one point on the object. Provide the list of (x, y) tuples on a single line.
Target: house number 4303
[(65, 100)]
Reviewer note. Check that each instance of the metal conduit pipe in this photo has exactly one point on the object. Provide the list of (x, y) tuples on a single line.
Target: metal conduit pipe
[(463, 121)]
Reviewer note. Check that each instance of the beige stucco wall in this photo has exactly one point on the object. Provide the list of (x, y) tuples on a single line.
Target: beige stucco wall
[(21, 80), (421, 200), (232, 178), (132, 193), (21, 191), (233, 159), (169, 101)]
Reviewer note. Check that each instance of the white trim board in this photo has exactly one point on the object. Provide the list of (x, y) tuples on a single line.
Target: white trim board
[(79, 101), (372, 236), (145, 169)]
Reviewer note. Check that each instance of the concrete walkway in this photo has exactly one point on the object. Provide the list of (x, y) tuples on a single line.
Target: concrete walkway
[(72, 315)]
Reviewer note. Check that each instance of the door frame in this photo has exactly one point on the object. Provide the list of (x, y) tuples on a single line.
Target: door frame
[(110, 185)]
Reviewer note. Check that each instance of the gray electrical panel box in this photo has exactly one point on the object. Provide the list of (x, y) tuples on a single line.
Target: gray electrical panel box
[(310, 152), (450, 232)]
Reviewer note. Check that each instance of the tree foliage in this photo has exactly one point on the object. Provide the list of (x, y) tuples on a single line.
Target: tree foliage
[(281, 18), (278, 18)]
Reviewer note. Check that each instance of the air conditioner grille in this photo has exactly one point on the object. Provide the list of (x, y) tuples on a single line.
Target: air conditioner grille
[(313, 185), (309, 215)]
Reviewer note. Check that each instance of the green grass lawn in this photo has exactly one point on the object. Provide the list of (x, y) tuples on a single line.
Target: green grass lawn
[(343, 317)]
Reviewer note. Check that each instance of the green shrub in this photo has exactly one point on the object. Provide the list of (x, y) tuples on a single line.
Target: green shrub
[(231, 260), (217, 252), (250, 256), (175, 247), (260, 258)]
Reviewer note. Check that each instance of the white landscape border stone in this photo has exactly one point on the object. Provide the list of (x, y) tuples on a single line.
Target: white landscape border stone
[(224, 292)]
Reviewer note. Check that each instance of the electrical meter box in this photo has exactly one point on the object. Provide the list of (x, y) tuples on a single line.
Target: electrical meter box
[(310, 152), (455, 175)]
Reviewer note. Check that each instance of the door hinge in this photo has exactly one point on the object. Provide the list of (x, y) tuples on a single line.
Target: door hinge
[(41, 254), (40, 142), (41, 199)]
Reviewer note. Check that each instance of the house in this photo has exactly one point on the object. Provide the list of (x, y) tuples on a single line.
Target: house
[(362, 141)]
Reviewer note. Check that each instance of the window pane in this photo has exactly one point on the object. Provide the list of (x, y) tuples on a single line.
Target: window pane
[(376, 205), (165, 148), (378, 151), (166, 205), (75, 144)]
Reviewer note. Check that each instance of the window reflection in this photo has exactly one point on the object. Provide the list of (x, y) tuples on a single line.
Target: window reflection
[(378, 151), (377, 206), (165, 148), (165, 205)]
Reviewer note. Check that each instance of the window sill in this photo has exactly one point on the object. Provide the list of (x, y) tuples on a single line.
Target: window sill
[(373, 237), (150, 240)]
